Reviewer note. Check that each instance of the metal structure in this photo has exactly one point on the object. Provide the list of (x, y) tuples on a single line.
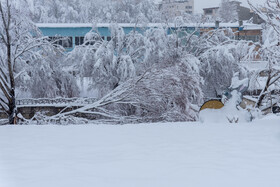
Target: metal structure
[(59, 102)]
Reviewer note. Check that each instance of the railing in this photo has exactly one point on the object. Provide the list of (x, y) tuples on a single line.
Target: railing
[(55, 101)]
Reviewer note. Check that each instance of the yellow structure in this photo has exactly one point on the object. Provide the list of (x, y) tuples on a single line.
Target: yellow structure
[(212, 104)]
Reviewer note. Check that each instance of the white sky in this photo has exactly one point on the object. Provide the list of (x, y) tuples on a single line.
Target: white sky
[(200, 4)]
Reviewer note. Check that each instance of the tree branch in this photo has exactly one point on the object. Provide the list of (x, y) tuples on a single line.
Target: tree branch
[(29, 47), (7, 95), (3, 74), (5, 84), (3, 108)]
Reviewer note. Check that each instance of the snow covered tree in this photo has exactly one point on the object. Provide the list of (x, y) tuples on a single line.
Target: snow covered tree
[(270, 49), (213, 56), (45, 77), (16, 40), (228, 11), (220, 57), (21, 45), (84, 11), (134, 74), (108, 63), (163, 95), (218, 65)]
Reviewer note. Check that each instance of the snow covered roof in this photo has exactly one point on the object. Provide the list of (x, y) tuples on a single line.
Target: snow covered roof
[(250, 26), (70, 25), (246, 26), (211, 8)]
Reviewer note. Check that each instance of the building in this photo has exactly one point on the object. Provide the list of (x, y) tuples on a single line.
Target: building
[(177, 7), (70, 35), (213, 11), (242, 31), (244, 13)]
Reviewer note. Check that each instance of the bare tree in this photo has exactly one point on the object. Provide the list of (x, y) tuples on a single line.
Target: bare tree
[(19, 41)]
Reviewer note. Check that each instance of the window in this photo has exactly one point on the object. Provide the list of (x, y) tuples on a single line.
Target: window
[(79, 40), (208, 11), (66, 42), (188, 7), (91, 42)]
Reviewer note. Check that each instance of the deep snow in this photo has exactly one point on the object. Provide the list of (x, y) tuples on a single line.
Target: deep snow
[(146, 155)]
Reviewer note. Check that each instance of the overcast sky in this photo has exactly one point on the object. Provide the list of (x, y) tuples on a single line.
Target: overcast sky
[(200, 4)]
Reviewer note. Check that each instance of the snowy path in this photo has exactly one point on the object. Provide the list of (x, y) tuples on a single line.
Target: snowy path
[(155, 155)]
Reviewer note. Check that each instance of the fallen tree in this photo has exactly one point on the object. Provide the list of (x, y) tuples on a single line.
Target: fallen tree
[(156, 95)]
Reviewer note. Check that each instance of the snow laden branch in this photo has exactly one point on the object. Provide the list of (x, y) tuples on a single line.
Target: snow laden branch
[(221, 56), (202, 64), (270, 49), (119, 95), (273, 76), (157, 95)]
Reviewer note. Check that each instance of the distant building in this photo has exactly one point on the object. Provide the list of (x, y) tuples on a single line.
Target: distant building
[(70, 35), (213, 11), (244, 13), (177, 7), (257, 19), (242, 31)]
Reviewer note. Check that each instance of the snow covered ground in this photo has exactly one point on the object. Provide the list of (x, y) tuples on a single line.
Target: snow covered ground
[(146, 155)]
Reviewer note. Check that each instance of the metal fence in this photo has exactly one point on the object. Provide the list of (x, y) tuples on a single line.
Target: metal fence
[(55, 101)]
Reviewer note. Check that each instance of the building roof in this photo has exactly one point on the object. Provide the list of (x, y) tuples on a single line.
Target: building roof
[(211, 8), (246, 26), (252, 27)]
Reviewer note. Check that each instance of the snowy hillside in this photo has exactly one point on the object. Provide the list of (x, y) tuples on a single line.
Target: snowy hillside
[(147, 155)]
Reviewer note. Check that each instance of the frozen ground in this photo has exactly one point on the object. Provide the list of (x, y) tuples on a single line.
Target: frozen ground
[(148, 155)]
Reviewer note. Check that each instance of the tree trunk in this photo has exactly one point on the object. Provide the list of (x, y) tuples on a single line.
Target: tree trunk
[(12, 111), (12, 103), (263, 93)]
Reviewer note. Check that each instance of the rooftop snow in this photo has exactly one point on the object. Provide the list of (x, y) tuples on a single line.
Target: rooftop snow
[(246, 26)]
